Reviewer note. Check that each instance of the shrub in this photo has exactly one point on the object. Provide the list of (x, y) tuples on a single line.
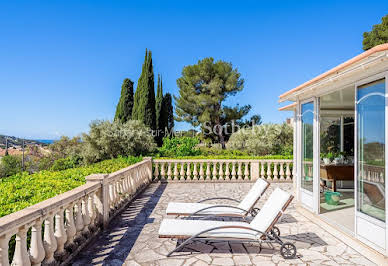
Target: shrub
[(266, 139), (10, 165), (183, 146), (108, 140), (66, 147), (64, 163)]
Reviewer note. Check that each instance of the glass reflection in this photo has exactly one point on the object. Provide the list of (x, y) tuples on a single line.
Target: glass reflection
[(371, 149)]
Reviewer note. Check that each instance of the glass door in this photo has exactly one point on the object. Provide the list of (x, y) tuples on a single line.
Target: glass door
[(370, 166), (307, 155)]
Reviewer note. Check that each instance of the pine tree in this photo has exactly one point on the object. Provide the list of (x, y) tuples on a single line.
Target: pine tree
[(125, 105), (203, 89), (144, 100), (158, 112)]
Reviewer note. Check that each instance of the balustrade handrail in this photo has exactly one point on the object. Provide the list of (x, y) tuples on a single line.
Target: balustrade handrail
[(222, 170), (160, 160)]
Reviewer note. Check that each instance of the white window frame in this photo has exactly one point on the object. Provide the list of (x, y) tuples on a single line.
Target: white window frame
[(358, 215)]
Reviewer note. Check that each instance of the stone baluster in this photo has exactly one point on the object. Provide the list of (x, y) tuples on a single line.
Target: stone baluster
[(288, 172), (169, 171), (262, 172), (60, 233), (111, 199), (269, 172), (214, 173), (227, 171), (4, 240), (221, 172), (79, 223), (201, 172), (162, 172), (156, 172), (49, 240), (195, 172), (37, 252), (182, 172), (208, 173), (281, 173), (115, 194), (21, 256), (275, 172), (188, 172), (234, 174), (239, 171), (176, 171), (85, 214), (91, 209), (70, 225), (246, 171)]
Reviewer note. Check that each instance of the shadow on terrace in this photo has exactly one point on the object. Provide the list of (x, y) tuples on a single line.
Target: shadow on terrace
[(132, 237)]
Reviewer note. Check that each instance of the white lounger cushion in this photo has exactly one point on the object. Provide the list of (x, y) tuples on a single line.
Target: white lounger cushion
[(186, 228), (254, 194), (271, 208), (182, 208)]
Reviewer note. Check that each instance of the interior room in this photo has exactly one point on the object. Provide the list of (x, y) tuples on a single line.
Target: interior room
[(337, 157)]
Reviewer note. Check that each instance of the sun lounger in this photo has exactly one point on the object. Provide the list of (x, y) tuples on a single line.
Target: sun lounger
[(260, 229), (245, 207)]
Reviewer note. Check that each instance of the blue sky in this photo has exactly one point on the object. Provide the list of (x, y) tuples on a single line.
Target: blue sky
[(62, 62)]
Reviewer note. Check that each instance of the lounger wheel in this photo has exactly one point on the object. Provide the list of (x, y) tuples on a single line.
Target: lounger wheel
[(288, 250), (275, 231)]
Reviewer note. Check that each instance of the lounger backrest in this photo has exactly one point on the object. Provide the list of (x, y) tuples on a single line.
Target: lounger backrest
[(275, 204), (254, 194)]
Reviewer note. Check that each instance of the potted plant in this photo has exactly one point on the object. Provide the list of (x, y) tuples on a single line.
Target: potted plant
[(327, 157)]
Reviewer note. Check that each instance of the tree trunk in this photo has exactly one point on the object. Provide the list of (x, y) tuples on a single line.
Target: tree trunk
[(220, 132)]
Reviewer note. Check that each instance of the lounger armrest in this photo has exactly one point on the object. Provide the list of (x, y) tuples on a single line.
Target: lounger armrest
[(218, 198), (217, 206)]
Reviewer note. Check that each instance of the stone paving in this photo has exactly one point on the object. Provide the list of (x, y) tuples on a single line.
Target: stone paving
[(132, 238)]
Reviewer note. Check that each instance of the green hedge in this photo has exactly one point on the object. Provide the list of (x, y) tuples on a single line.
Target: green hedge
[(22, 190)]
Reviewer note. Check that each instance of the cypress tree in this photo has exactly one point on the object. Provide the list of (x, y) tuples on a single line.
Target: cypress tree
[(168, 112), (158, 111), (144, 100), (125, 105)]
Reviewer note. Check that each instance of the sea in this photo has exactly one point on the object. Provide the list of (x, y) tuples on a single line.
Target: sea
[(46, 141)]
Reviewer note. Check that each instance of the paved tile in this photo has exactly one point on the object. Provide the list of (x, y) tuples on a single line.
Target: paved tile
[(132, 238)]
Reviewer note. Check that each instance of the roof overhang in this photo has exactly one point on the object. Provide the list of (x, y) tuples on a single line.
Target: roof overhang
[(373, 58), (289, 107)]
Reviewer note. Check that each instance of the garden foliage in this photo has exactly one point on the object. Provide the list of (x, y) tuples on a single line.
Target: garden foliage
[(266, 139), (107, 140), (22, 190), (183, 146)]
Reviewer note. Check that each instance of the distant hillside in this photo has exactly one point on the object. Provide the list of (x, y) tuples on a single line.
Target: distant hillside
[(14, 141)]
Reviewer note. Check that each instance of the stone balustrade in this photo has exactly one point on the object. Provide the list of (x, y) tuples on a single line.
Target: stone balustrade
[(53, 231), (373, 173), (222, 170)]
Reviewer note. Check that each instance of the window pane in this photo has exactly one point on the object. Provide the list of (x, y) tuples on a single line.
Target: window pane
[(371, 149), (307, 143)]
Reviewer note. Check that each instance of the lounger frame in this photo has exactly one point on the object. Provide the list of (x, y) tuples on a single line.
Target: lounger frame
[(252, 211), (269, 236)]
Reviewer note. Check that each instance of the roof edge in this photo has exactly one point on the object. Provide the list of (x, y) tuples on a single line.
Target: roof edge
[(288, 107), (376, 49)]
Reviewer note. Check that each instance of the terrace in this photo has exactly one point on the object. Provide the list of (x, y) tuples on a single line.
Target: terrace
[(114, 219)]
